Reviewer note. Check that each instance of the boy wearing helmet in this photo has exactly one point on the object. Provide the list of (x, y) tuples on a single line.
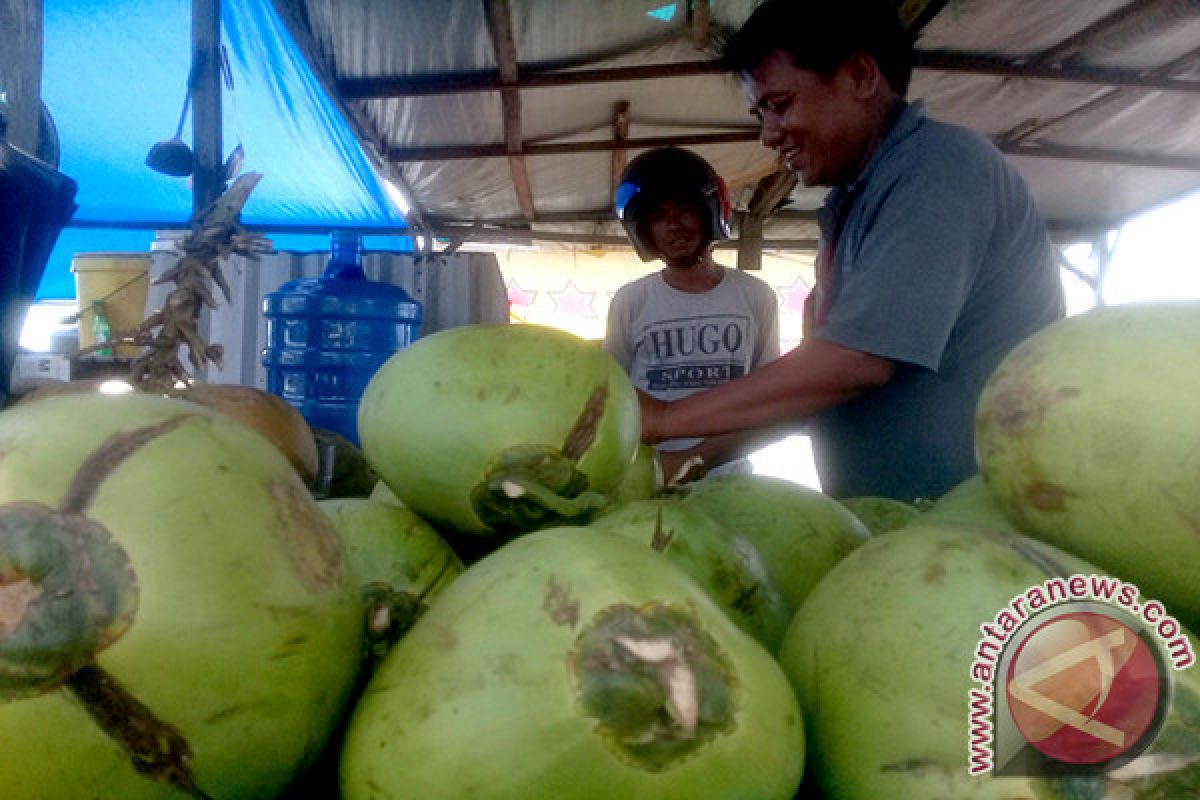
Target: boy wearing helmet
[(694, 324)]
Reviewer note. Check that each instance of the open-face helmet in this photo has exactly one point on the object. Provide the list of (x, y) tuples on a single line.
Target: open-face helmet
[(671, 173)]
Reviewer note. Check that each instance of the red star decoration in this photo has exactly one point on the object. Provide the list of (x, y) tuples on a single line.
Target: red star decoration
[(573, 301), (793, 297), (519, 297)]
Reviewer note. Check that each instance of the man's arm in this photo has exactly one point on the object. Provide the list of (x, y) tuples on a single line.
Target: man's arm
[(814, 376)]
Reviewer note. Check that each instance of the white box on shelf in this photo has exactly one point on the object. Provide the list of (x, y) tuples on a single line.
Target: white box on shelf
[(47, 366)]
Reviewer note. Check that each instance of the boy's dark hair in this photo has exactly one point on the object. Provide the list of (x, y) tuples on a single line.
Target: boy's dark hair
[(820, 35)]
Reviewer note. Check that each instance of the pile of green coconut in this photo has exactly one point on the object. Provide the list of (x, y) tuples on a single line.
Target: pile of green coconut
[(496, 597)]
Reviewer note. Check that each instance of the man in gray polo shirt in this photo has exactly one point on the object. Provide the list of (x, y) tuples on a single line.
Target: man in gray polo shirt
[(933, 261)]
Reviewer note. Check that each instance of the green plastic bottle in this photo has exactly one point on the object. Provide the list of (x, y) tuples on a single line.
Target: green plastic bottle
[(101, 330)]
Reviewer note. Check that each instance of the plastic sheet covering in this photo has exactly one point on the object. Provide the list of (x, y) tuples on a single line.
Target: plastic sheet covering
[(114, 79), (450, 37)]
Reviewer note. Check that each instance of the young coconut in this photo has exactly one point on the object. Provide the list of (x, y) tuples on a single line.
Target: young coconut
[(575, 663), (881, 656), (397, 561), (881, 514), (271, 416), (800, 532), (644, 479), (488, 429), (1088, 437), (969, 503), (722, 561), (174, 617)]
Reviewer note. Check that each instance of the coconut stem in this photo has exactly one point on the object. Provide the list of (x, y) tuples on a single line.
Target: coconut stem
[(531, 486), (656, 683), (677, 678), (517, 488), (156, 749)]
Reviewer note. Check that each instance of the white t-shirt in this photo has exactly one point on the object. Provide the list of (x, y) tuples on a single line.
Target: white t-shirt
[(675, 343)]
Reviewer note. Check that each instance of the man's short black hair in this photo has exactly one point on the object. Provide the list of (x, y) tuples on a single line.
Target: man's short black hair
[(820, 35)]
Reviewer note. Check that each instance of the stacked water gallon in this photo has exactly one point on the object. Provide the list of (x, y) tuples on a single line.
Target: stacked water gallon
[(327, 336)]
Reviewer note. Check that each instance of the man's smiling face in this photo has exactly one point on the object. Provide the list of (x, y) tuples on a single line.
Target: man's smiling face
[(815, 122)]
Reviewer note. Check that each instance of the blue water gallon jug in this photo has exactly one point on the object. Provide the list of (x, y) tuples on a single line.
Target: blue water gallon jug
[(327, 336)]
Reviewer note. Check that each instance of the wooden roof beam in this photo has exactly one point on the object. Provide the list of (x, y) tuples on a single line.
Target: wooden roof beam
[(461, 152), (1099, 155), (523, 236), (1132, 14), (499, 21), (916, 14), (588, 215), (771, 191), (1034, 128), (984, 64), (933, 60), (490, 81)]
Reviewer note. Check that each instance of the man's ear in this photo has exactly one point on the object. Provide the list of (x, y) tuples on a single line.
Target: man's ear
[(865, 75)]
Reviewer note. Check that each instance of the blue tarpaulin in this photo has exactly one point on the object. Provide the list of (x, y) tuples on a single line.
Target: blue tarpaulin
[(114, 79)]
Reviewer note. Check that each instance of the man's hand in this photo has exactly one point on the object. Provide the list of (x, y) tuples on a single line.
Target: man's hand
[(653, 411)]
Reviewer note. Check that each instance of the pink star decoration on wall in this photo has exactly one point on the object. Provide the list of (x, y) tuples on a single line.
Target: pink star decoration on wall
[(792, 297), (574, 301), (519, 297)]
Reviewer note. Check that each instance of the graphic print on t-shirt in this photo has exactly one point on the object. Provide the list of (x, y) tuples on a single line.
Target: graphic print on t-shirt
[(692, 353)]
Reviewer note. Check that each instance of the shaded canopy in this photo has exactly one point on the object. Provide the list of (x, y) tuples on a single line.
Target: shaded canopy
[(508, 118)]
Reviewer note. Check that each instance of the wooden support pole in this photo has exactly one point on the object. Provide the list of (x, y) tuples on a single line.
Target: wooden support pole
[(770, 192), (750, 243), (207, 181), (701, 24), (620, 135)]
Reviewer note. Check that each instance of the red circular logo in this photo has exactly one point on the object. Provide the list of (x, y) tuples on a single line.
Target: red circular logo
[(1084, 688)]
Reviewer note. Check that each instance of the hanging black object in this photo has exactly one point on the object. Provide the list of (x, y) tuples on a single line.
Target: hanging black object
[(173, 156)]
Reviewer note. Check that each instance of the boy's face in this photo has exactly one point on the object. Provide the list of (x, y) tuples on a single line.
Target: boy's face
[(676, 229)]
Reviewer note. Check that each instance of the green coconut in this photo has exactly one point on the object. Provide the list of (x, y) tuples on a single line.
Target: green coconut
[(800, 533), (380, 493), (881, 514), (643, 480), (725, 563), (881, 658), (174, 615), (500, 429), (969, 503), (1088, 436), (345, 472), (575, 664), (397, 561)]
